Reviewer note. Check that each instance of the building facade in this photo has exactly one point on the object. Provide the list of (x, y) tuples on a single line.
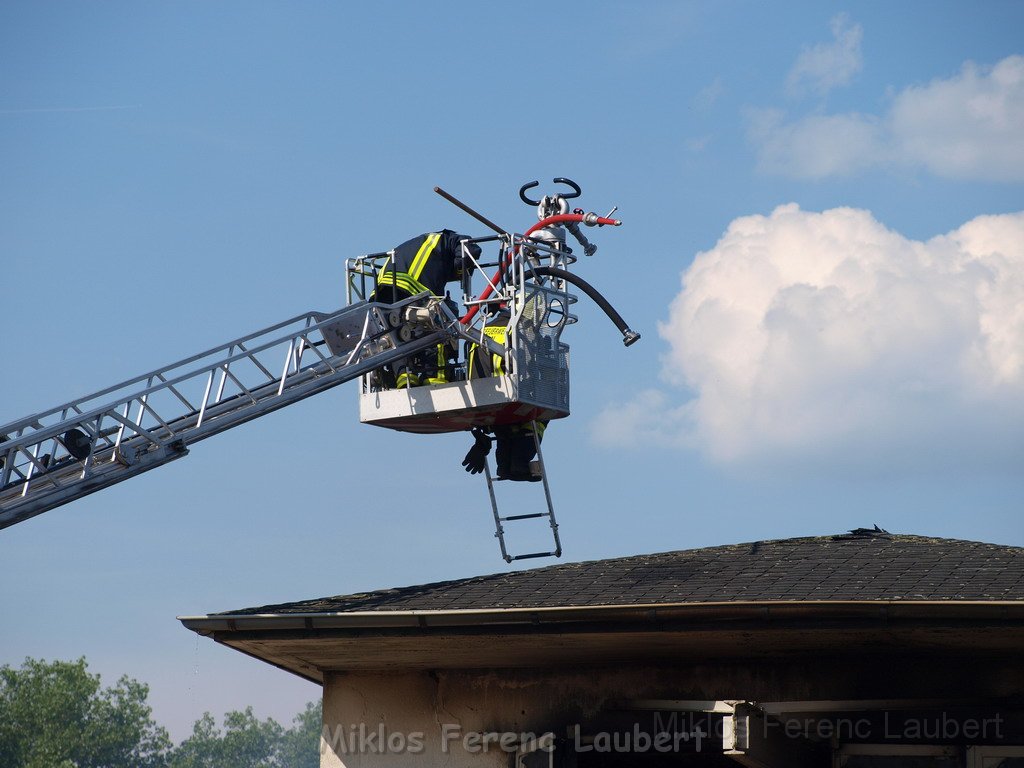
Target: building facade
[(861, 649)]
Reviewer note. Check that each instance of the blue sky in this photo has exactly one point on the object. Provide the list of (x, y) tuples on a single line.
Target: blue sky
[(840, 185)]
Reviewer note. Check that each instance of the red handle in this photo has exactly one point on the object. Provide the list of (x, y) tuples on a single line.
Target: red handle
[(561, 218)]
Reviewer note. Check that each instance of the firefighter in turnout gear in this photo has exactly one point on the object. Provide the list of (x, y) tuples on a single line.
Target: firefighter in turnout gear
[(515, 442), (425, 263)]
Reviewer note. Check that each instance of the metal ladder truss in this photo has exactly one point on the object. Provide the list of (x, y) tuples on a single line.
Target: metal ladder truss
[(500, 521), (54, 457)]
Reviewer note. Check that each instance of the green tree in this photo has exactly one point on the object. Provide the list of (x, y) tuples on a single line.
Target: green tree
[(245, 743), (300, 745), (56, 715)]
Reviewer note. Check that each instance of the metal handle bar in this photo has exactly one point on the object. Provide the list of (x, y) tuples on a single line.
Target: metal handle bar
[(576, 187), (522, 192), (590, 219), (560, 180)]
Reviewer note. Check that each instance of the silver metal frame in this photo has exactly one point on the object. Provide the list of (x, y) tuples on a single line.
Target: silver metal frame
[(537, 361), (149, 420), (51, 458), (520, 294)]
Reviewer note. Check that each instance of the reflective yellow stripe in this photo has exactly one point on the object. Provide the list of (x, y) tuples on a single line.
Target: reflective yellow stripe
[(409, 281), (496, 332), (531, 428), (441, 377), (412, 286), (401, 280), (418, 263), (497, 363)]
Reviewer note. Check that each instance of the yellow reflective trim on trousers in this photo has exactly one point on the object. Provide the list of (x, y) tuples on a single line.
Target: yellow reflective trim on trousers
[(527, 428), (407, 380), (441, 377), (418, 263), (497, 363)]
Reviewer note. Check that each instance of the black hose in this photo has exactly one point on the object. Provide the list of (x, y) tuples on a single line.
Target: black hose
[(628, 336)]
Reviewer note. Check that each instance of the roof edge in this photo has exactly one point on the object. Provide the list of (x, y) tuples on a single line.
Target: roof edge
[(766, 609)]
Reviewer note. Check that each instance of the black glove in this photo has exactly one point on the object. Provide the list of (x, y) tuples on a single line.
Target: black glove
[(477, 456)]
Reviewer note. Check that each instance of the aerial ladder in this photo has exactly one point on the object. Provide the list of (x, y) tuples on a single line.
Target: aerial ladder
[(54, 457)]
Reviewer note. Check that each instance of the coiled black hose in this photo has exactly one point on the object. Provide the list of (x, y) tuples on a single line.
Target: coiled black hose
[(628, 336)]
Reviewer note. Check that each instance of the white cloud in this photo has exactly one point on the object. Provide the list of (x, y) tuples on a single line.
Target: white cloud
[(708, 96), (817, 146), (807, 334), (825, 66), (970, 126)]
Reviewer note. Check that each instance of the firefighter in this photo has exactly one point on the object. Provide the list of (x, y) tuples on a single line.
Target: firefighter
[(425, 263), (516, 447)]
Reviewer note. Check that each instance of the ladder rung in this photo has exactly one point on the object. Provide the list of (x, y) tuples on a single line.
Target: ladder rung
[(159, 397), (525, 517), (537, 554)]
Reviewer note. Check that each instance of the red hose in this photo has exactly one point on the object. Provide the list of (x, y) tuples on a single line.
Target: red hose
[(561, 218)]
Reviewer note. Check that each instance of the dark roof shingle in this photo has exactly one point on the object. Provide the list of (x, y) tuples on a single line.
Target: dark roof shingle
[(862, 565)]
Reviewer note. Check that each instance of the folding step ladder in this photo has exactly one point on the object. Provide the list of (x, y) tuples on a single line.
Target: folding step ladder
[(500, 520)]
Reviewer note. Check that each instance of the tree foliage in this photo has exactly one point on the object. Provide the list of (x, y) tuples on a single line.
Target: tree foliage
[(57, 715), (245, 743), (300, 745)]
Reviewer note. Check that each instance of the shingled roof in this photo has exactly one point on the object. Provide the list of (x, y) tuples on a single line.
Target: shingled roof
[(862, 565)]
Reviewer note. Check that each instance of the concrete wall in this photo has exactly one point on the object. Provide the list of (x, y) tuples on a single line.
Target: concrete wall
[(380, 720), (427, 718)]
